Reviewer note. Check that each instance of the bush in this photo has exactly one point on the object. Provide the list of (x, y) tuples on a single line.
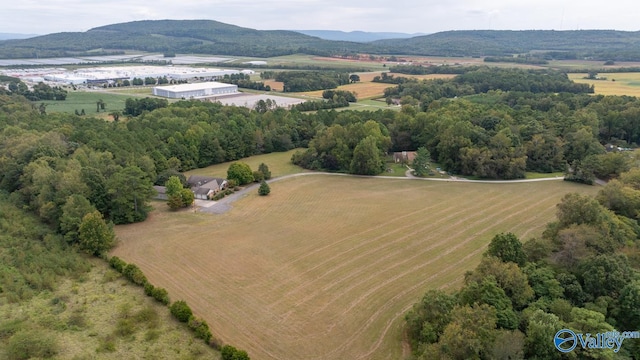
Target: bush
[(30, 344), (117, 263), (201, 329), (133, 273), (149, 289), (229, 352), (258, 176), (161, 295), (181, 311)]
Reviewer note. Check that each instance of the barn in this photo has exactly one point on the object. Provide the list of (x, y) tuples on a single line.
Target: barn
[(196, 90)]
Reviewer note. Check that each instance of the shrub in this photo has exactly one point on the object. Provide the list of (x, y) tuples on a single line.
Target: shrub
[(181, 311), (117, 263), (149, 289), (258, 176), (200, 328), (229, 352), (161, 295), (30, 344), (133, 273)]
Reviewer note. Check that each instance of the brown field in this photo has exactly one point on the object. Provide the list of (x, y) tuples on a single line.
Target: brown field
[(363, 90), (366, 89), (624, 84), (325, 267), (275, 85)]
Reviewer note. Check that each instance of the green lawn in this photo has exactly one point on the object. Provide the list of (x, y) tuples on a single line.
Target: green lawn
[(279, 164), (78, 100)]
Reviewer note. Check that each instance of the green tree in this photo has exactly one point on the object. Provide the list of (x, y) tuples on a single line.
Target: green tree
[(174, 186), (422, 162), (354, 78), (488, 292), (95, 235), (73, 211), (629, 304), (540, 332), (471, 332), (130, 190), (264, 169), (428, 318), (264, 189), (187, 196), (508, 248), (240, 172), (366, 158)]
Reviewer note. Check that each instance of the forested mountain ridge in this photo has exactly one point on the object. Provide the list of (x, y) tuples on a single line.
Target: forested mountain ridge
[(181, 36), (213, 37), (597, 44)]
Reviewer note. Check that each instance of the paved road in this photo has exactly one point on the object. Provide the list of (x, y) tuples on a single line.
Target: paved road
[(224, 205)]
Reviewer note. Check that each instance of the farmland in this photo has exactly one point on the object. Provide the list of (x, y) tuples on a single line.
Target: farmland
[(624, 84), (327, 266)]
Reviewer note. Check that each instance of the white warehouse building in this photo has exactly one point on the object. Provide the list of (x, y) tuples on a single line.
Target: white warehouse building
[(197, 90)]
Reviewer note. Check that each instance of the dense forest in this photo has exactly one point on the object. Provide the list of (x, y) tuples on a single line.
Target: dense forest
[(582, 274)]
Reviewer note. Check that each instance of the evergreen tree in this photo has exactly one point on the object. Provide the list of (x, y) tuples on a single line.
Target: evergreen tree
[(264, 189)]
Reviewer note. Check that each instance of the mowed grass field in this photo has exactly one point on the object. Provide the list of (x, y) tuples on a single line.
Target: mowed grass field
[(624, 84), (279, 164), (326, 267)]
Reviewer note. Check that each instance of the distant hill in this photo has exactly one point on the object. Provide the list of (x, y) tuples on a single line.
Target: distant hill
[(212, 37), (597, 44), (183, 36), (356, 36), (8, 36)]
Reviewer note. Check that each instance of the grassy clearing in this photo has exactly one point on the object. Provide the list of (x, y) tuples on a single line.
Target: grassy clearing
[(279, 164), (325, 267), (78, 100), (100, 316), (624, 84)]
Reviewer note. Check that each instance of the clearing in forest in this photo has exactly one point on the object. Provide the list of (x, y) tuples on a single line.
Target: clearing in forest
[(326, 267)]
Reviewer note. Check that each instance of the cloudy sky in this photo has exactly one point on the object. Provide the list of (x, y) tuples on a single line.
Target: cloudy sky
[(409, 16)]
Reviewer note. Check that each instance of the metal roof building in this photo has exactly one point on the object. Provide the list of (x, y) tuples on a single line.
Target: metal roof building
[(196, 90)]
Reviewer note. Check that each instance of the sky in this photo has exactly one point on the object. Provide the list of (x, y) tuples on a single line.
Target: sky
[(407, 16)]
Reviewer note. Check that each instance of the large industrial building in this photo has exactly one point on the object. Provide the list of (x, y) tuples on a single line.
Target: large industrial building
[(196, 90)]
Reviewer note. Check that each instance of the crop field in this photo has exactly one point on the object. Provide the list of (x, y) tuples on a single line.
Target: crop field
[(326, 267), (624, 84)]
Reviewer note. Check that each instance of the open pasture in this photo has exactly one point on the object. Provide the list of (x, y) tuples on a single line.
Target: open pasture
[(624, 84), (78, 100), (326, 267)]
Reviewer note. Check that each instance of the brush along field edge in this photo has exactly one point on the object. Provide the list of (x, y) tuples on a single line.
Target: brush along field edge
[(327, 266)]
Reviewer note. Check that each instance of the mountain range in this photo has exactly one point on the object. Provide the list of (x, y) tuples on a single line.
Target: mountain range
[(212, 37), (356, 36)]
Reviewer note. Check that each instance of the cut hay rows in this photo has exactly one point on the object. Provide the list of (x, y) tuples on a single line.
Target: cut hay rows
[(326, 267)]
